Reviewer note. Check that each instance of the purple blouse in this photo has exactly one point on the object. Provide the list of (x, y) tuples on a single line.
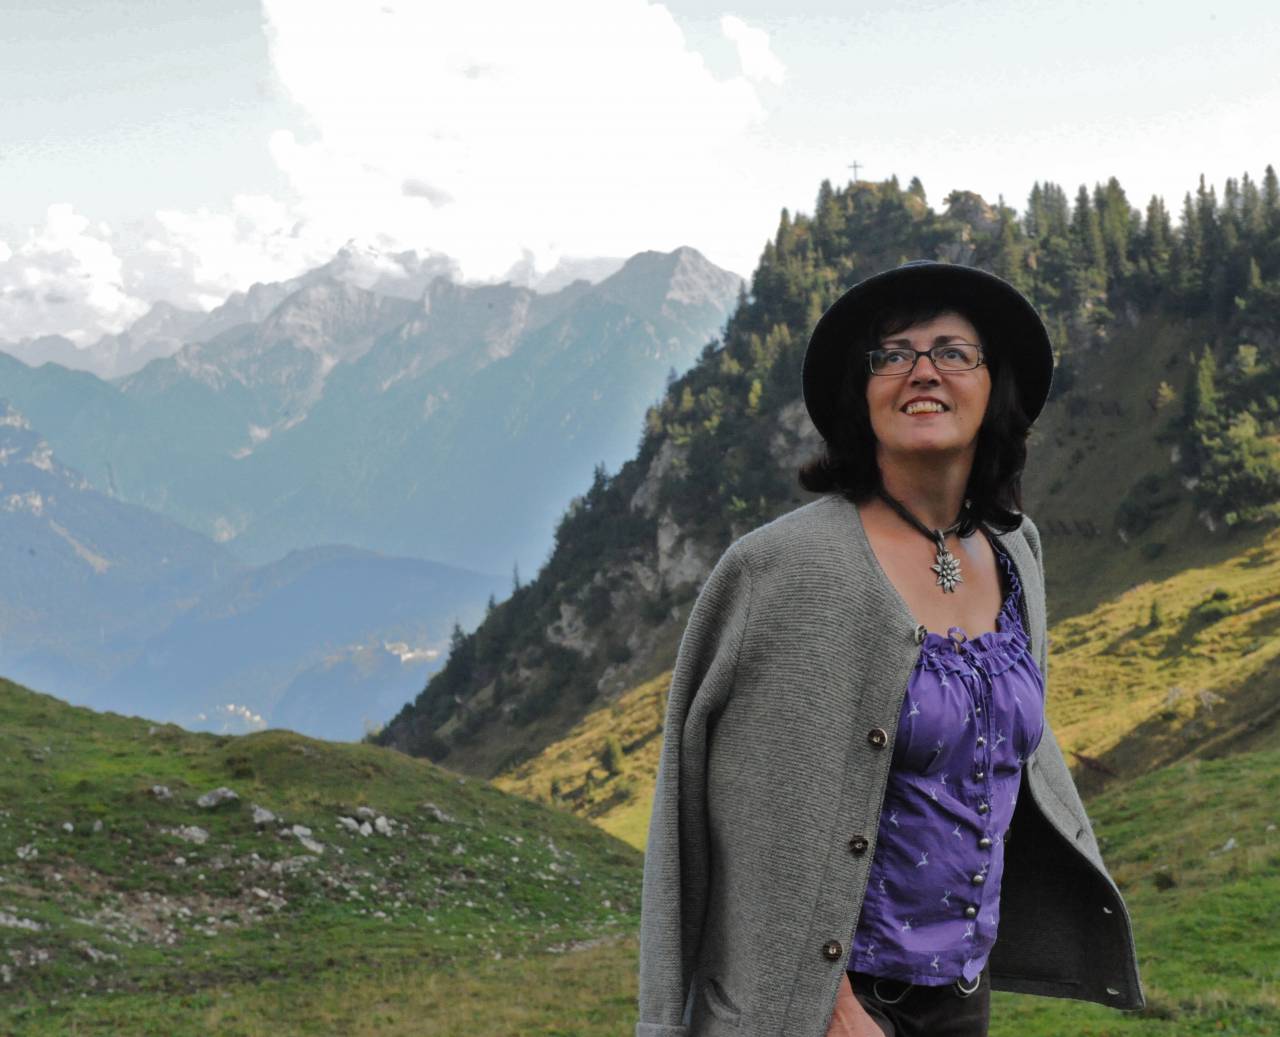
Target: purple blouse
[(973, 712)]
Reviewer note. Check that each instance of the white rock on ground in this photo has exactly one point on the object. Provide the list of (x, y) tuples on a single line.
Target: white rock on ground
[(161, 792), (381, 825), (366, 812), (350, 824), (311, 844), (216, 797), (262, 816)]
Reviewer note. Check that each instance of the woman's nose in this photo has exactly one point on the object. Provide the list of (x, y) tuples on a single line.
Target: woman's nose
[(924, 369)]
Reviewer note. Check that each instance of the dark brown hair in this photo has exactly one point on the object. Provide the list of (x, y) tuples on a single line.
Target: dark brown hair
[(847, 462)]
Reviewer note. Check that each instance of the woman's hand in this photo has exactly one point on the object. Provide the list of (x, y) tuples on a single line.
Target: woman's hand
[(850, 1019)]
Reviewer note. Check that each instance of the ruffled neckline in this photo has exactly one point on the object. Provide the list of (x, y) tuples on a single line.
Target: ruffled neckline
[(996, 649)]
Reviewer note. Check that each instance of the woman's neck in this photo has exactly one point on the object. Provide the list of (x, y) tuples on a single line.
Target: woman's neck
[(933, 493)]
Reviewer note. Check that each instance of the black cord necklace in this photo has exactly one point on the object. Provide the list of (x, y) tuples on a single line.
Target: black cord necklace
[(948, 565)]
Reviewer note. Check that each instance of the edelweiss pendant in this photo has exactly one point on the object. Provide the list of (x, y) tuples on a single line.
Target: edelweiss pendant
[(948, 570)]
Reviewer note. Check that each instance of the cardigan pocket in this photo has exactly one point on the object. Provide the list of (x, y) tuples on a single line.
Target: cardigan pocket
[(718, 1003)]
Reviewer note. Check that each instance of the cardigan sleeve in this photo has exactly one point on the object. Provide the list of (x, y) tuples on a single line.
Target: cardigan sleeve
[(676, 860)]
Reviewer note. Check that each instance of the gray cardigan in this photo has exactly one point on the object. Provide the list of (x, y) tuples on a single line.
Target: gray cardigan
[(779, 736)]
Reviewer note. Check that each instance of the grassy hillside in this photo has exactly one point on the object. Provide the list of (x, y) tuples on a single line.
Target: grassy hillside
[(573, 773), (1196, 850), (117, 917), (482, 914), (1184, 666)]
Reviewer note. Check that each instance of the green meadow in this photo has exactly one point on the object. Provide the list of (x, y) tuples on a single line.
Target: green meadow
[(465, 907)]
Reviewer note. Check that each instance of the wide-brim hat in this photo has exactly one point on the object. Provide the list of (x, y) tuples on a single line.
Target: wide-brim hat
[(1005, 315)]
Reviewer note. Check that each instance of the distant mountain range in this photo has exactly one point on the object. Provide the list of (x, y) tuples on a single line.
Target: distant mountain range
[(453, 427), (120, 608), (169, 536)]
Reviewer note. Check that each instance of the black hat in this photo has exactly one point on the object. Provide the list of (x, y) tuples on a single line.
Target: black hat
[(1002, 311)]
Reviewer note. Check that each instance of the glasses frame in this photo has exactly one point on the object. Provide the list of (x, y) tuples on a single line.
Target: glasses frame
[(982, 359)]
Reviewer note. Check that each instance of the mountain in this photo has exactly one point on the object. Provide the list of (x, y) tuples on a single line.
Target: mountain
[(1159, 451), (345, 416), (48, 349), (120, 608), (252, 650), (82, 571)]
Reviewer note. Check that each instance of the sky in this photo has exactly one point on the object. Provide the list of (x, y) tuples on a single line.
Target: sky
[(180, 150)]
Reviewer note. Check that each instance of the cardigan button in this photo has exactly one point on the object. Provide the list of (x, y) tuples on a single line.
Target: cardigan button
[(831, 950), (920, 634), (877, 737), (858, 844)]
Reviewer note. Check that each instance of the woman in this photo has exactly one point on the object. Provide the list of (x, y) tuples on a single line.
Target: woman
[(855, 725)]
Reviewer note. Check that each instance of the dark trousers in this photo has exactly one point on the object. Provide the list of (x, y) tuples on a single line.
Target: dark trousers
[(908, 1010)]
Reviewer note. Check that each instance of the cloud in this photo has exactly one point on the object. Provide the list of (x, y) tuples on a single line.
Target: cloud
[(754, 53), (64, 279), (487, 131), (584, 127)]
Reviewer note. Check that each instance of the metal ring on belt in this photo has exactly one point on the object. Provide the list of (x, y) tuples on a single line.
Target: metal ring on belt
[(875, 989)]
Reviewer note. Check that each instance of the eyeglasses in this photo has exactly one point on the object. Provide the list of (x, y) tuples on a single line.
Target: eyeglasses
[(947, 357)]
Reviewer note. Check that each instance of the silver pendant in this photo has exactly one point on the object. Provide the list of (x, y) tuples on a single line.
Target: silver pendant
[(948, 570)]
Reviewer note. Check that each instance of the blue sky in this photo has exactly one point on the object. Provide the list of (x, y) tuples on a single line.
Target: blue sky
[(183, 149)]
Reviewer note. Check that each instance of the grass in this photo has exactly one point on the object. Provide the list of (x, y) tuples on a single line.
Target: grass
[(618, 803), (436, 929), (507, 917), (107, 914)]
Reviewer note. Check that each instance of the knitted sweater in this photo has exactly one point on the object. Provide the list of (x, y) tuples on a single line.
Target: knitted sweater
[(780, 723)]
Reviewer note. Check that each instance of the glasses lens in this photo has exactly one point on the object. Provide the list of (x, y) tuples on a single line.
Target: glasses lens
[(891, 361), (955, 356)]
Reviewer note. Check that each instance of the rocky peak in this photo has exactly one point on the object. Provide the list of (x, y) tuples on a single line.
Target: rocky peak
[(487, 319), (667, 282), (332, 317)]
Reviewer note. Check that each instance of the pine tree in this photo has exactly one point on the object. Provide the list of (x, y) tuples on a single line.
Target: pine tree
[(1157, 237), (1116, 219), (1252, 218), (1088, 254), (1271, 197)]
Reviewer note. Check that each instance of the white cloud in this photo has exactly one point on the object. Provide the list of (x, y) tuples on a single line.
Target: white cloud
[(585, 127), (488, 131), (756, 56), (66, 279)]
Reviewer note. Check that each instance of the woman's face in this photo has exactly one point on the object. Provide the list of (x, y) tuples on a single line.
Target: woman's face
[(929, 412)]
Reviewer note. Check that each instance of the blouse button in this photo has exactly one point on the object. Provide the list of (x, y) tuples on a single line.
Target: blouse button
[(831, 950), (971, 912), (983, 808), (877, 737), (978, 879), (980, 775), (984, 843), (981, 741)]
